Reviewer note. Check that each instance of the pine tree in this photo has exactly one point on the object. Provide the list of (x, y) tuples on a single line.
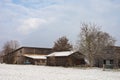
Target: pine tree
[(62, 44)]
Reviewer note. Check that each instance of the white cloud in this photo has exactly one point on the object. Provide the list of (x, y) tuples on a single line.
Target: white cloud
[(30, 24)]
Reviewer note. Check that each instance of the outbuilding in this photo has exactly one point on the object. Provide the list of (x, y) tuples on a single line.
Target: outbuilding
[(65, 58), (28, 55)]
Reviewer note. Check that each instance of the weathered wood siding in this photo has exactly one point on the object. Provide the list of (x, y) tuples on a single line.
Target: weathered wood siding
[(17, 56), (71, 60)]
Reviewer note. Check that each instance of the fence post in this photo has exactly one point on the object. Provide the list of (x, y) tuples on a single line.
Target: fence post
[(103, 67)]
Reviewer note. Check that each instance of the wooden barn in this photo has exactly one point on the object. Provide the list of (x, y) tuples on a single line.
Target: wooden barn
[(66, 58), (28, 55)]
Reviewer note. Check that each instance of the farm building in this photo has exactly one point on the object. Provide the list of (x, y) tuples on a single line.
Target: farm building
[(110, 57), (66, 58), (28, 55), (42, 56)]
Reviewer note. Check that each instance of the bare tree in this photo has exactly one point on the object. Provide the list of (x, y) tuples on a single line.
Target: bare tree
[(92, 41), (8, 47), (62, 44)]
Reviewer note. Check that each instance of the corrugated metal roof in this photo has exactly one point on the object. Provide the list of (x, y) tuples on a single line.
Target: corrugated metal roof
[(65, 53)]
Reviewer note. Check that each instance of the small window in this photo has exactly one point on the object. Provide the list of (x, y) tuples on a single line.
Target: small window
[(111, 61), (104, 61)]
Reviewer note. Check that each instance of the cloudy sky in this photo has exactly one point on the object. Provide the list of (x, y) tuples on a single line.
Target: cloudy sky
[(40, 22)]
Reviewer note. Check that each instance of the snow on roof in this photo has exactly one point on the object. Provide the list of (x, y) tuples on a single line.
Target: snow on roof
[(65, 53), (36, 56)]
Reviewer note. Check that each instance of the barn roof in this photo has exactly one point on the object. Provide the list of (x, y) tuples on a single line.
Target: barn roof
[(35, 56), (64, 53), (31, 48)]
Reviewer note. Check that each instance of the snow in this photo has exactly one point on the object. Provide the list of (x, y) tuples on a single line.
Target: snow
[(33, 72), (36, 56), (65, 53)]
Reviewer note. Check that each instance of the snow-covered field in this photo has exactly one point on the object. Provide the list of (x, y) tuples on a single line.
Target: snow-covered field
[(32, 72)]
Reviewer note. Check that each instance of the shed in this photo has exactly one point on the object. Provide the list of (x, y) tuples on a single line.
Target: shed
[(65, 58)]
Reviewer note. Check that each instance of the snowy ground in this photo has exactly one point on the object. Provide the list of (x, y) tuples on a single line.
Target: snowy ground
[(32, 72)]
